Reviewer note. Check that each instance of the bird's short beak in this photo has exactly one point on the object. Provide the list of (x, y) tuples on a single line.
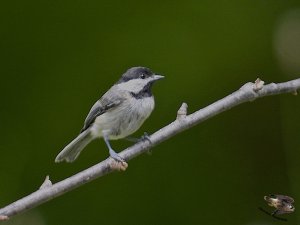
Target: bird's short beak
[(157, 77)]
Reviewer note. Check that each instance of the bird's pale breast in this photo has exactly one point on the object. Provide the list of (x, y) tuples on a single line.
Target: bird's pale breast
[(125, 119)]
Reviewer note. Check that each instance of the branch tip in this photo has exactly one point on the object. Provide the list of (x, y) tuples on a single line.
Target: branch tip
[(258, 84), (47, 183), (182, 111)]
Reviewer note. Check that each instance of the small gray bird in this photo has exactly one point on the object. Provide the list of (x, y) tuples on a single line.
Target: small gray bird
[(117, 114), (282, 203)]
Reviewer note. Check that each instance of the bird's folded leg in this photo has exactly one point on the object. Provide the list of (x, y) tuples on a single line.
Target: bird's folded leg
[(119, 160), (144, 137)]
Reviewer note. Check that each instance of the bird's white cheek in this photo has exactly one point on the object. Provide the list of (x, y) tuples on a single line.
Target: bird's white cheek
[(134, 85)]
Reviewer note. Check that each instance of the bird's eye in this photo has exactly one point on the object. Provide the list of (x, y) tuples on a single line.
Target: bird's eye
[(143, 76)]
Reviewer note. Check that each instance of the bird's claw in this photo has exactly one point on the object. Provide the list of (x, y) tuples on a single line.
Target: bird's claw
[(145, 137), (116, 156), (118, 162)]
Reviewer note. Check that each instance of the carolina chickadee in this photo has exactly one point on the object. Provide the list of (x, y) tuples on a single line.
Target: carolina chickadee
[(282, 203), (118, 113)]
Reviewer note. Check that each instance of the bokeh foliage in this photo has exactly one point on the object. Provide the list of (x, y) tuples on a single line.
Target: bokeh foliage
[(59, 57)]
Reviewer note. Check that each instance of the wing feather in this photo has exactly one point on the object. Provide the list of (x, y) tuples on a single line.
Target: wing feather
[(285, 198), (109, 100)]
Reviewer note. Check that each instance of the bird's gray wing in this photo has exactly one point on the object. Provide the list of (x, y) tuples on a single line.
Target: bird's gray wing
[(285, 198), (108, 101)]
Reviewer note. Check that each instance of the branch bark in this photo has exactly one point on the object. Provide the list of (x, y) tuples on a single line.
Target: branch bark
[(248, 92)]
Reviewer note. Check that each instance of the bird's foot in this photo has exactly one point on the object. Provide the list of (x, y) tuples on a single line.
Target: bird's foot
[(132, 139), (118, 163), (144, 137)]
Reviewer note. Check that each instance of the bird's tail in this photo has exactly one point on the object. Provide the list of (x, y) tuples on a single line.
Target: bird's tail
[(72, 150)]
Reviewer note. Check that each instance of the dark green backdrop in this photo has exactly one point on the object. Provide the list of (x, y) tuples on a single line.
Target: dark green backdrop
[(59, 57)]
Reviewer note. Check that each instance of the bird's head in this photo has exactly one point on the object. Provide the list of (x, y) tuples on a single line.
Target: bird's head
[(138, 81)]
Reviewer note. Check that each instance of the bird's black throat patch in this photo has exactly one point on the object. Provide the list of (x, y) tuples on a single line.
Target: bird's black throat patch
[(144, 93)]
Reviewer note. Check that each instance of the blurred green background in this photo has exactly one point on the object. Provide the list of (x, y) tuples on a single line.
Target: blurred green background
[(59, 57)]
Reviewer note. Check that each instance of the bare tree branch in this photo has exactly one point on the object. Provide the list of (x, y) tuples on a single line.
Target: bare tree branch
[(248, 92)]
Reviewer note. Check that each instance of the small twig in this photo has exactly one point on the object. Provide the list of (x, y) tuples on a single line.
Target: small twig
[(258, 84), (182, 111), (47, 183), (248, 92)]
